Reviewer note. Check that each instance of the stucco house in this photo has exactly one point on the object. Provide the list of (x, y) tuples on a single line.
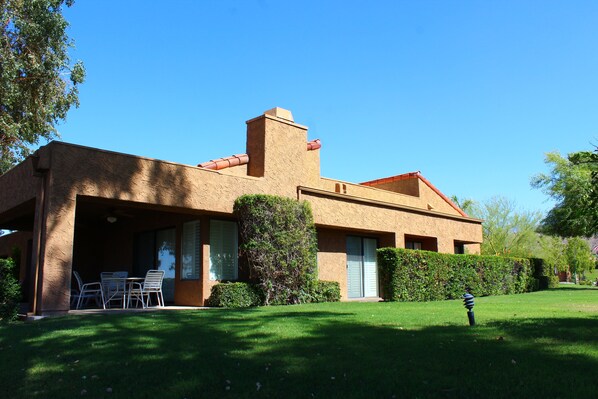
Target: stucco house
[(90, 210)]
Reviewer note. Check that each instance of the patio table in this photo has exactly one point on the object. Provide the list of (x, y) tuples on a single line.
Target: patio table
[(129, 285), (118, 288), (114, 289)]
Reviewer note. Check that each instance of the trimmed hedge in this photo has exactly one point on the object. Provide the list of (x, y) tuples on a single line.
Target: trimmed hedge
[(244, 295), (326, 291), (10, 291), (410, 275), (234, 295)]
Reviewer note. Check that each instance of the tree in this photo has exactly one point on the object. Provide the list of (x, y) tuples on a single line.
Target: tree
[(579, 256), (573, 183), (279, 238), (467, 205), (37, 84), (553, 251), (507, 231)]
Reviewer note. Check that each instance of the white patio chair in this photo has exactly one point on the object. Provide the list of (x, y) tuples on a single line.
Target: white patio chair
[(151, 284), (114, 287), (87, 291)]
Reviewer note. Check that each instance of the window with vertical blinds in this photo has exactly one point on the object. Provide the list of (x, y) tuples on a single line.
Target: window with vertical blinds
[(223, 250), (191, 251)]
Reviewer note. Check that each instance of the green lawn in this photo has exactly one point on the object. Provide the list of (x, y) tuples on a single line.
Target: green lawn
[(538, 345)]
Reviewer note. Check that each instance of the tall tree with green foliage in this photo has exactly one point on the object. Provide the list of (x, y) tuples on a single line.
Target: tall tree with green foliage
[(573, 183), (553, 251), (38, 85), (507, 230), (279, 238), (579, 256)]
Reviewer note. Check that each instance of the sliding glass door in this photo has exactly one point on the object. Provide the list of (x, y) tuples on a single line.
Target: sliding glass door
[(362, 269)]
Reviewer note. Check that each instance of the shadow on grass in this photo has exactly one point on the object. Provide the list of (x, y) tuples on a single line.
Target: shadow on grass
[(294, 354)]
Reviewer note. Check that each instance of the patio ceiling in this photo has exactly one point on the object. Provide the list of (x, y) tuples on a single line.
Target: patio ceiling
[(19, 218)]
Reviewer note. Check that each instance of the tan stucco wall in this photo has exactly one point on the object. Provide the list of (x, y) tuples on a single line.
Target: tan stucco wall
[(425, 198), (437, 203), (330, 210), (406, 186), (239, 170), (332, 257)]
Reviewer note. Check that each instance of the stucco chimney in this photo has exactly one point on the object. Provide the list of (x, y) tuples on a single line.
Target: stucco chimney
[(276, 146)]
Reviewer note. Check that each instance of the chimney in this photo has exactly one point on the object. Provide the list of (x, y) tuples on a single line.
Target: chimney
[(276, 146)]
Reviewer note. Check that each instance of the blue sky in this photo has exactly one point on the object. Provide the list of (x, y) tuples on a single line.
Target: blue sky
[(470, 93)]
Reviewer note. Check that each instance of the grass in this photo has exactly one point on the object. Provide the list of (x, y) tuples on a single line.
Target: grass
[(542, 344)]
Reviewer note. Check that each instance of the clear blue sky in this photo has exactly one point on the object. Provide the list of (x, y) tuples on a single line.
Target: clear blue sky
[(471, 93)]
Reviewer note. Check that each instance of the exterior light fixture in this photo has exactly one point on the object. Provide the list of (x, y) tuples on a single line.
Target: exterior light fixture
[(468, 303)]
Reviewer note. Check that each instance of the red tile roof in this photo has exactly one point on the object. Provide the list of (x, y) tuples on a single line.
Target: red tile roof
[(415, 175), (314, 145), (222, 163), (242, 159)]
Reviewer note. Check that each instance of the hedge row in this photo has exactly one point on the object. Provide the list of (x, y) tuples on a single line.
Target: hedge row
[(409, 275), (242, 295), (234, 295)]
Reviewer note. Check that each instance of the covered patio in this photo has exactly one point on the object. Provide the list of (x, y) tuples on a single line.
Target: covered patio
[(115, 236)]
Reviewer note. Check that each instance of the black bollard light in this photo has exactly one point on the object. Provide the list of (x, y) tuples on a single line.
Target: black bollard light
[(468, 303)]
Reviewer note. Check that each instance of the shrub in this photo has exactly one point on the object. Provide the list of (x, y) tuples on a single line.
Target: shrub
[(408, 275), (234, 295), (325, 291), (10, 291), (279, 239)]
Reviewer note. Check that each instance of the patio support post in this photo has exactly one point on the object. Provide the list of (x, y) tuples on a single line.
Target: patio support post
[(56, 258), (53, 235), (38, 227)]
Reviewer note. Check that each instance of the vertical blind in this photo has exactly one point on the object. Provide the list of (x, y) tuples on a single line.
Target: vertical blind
[(354, 268), (223, 250), (191, 251)]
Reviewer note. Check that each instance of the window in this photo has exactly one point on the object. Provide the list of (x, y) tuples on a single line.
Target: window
[(190, 251), (223, 250), (413, 245), (165, 259), (459, 247), (155, 249), (421, 243)]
